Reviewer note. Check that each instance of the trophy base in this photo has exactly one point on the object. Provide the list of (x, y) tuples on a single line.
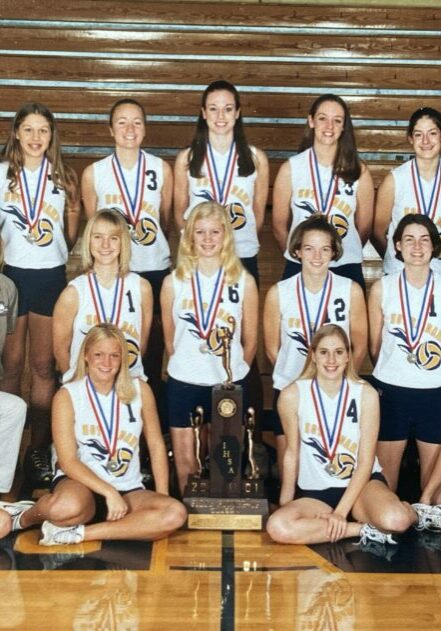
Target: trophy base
[(220, 513)]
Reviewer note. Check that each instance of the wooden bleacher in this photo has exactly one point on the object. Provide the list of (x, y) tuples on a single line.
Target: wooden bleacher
[(78, 58)]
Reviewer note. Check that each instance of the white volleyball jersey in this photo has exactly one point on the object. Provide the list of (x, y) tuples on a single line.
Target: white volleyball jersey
[(239, 203), (150, 249), (316, 470), (393, 365), (92, 450), (41, 245), (130, 318), (294, 343), (196, 360), (405, 202), (342, 212)]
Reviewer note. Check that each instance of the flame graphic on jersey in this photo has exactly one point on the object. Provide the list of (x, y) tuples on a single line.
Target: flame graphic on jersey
[(123, 456), (428, 354), (343, 464), (42, 233)]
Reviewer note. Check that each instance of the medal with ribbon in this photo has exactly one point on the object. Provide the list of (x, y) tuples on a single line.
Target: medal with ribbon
[(413, 335), (323, 203), (98, 302), (221, 188), (205, 319), (426, 209), (132, 205), (109, 428), (33, 211), (311, 326), (330, 433)]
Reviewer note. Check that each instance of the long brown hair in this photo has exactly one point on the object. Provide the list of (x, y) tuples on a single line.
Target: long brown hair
[(62, 175)]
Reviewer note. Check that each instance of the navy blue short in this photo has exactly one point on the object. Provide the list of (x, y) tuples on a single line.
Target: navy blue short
[(332, 495), (38, 289), (100, 501), (250, 264), (155, 278), (354, 271), (183, 398), (409, 413)]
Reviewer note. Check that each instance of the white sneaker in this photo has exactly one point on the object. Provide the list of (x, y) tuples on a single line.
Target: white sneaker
[(60, 535), (370, 533), (16, 510), (429, 517)]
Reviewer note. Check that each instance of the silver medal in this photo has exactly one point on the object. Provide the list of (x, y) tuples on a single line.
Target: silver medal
[(330, 469), (203, 348), (411, 358), (112, 466), (31, 238)]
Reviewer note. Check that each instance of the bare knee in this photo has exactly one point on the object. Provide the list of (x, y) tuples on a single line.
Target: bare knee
[(68, 508), (395, 518), (5, 523), (43, 368), (281, 530), (174, 516)]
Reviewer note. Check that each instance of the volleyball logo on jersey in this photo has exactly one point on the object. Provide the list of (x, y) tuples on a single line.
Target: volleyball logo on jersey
[(337, 220), (41, 233), (341, 466), (122, 457), (133, 351), (143, 232), (424, 355)]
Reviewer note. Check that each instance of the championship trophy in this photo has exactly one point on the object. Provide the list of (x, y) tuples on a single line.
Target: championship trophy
[(227, 498)]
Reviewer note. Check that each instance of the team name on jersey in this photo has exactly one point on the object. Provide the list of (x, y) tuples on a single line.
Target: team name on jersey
[(125, 327), (337, 204), (412, 210), (123, 436), (430, 329), (347, 443), (187, 304), (48, 209), (116, 199)]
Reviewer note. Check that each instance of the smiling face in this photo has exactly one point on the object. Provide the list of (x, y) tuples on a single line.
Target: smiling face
[(220, 112), (34, 135), (330, 358), (315, 252), (128, 126), (415, 245), (103, 361), (208, 237), (327, 123), (105, 243), (426, 139)]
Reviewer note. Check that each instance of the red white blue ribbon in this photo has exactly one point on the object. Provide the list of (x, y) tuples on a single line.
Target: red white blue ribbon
[(98, 302), (132, 204), (109, 428), (323, 203), (414, 334), (426, 209), (221, 186), (330, 433), (309, 325), (33, 210), (205, 318)]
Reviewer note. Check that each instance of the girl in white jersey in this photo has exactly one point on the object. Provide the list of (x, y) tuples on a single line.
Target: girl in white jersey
[(39, 216), (405, 344), (219, 165), (207, 289), (296, 307), (97, 419), (331, 418), (326, 177), (139, 185), (106, 292), (413, 187)]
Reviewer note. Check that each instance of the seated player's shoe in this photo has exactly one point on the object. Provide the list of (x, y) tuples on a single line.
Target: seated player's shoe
[(37, 466), (429, 517), (16, 510), (60, 535), (370, 533)]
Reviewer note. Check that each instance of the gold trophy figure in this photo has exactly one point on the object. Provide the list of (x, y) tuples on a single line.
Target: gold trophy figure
[(225, 334), (249, 426), (197, 421)]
